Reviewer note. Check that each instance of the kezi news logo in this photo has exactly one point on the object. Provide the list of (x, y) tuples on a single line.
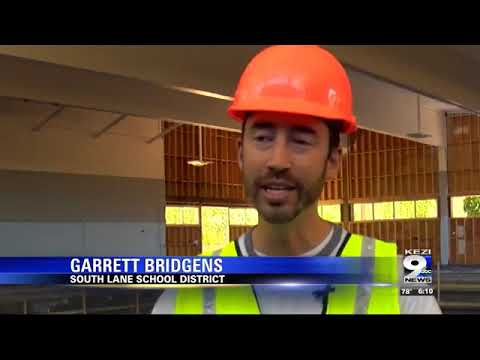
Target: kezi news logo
[(417, 266)]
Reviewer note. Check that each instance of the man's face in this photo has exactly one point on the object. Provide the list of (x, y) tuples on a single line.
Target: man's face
[(285, 161)]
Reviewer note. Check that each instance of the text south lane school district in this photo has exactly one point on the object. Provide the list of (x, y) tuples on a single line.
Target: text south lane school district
[(147, 265), (125, 279)]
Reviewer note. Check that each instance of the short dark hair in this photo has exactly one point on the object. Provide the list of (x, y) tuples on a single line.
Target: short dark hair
[(334, 128)]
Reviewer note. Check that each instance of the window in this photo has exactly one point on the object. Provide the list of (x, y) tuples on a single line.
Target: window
[(426, 209), (363, 212), (332, 213), (237, 217), (181, 215), (465, 206), (215, 228), (383, 210), (457, 207), (190, 216), (215, 224), (173, 215), (404, 210), (243, 216), (251, 216), (396, 210)]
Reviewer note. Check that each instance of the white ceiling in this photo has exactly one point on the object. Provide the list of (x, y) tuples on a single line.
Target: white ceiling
[(28, 114), (436, 105), (443, 71), (138, 80)]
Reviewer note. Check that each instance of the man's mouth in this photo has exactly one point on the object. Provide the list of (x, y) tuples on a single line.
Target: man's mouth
[(277, 192), (278, 188)]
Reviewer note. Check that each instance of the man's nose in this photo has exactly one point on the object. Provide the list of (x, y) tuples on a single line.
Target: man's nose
[(279, 160)]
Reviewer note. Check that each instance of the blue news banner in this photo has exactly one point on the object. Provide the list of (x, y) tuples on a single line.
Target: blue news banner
[(194, 271)]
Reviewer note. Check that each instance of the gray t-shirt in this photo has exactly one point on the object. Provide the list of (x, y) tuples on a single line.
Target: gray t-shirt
[(303, 299)]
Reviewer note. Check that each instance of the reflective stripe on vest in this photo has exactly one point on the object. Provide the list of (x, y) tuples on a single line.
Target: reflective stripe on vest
[(385, 299), (361, 299), (345, 299), (225, 300)]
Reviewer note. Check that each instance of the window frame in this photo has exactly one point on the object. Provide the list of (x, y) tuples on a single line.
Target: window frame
[(450, 205), (394, 214), (199, 215), (329, 203)]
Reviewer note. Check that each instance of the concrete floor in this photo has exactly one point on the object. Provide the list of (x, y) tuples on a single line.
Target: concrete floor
[(459, 289)]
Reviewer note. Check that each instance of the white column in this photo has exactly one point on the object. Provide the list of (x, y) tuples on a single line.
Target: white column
[(443, 205)]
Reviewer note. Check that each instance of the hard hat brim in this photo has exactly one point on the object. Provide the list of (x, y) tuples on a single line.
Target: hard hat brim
[(293, 106)]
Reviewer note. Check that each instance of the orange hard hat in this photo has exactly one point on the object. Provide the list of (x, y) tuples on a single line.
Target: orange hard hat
[(296, 79)]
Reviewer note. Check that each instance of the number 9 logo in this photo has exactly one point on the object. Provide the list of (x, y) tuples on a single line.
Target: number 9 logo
[(414, 263)]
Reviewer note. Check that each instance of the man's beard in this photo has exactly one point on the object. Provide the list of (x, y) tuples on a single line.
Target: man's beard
[(287, 212)]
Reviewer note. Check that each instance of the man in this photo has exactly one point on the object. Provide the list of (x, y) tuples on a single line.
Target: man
[(293, 103)]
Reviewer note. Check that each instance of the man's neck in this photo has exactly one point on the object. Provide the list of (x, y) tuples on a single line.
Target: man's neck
[(304, 233)]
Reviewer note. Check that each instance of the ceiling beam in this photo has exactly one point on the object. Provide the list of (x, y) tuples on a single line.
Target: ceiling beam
[(163, 133), (110, 125), (39, 126)]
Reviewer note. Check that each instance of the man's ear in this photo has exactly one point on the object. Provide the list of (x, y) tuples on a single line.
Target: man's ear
[(240, 153), (334, 162)]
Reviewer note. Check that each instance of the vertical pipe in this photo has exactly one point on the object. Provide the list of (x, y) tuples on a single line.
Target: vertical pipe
[(444, 216), (200, 142)]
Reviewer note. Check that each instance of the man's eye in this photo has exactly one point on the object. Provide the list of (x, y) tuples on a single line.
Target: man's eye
[(302, 142), (263, 138)]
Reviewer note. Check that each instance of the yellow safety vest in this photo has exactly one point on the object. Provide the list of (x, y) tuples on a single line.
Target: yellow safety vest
[(344, 300)]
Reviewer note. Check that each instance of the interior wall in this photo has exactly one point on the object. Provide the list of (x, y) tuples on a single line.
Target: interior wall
[(65, 193), (219, 182), (67, 145), (463, 163), (385, 168), (49, 214), (463, 154), (391, 110)]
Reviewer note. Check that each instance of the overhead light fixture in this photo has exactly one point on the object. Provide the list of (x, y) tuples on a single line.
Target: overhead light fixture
[(202, 93), (419, 134), (199, 162)]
